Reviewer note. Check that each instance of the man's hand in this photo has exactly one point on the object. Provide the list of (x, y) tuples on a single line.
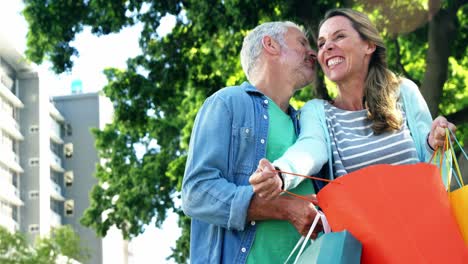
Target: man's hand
[(265, 181), (302, 213)]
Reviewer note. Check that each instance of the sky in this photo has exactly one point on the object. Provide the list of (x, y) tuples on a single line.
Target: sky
[(96, 54)]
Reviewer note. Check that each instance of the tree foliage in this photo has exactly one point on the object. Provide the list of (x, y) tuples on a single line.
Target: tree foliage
[(156, 98), (63, 241)]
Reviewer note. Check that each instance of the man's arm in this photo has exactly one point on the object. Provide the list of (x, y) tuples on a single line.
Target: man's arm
[(298, 212), (207, 194)]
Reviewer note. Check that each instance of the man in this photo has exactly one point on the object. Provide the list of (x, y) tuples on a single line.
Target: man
[(235, 128)]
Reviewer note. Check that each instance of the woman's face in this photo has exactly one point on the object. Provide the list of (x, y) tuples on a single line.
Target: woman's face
[(342, 53)]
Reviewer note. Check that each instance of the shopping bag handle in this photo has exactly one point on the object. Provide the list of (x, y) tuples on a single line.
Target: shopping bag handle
[(458, 143), (304, 176), (457, 171), (305, 239), (449, 148)]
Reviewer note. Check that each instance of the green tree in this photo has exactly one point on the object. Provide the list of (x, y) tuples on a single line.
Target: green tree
[(13, 248), (63, 241), (156, 98)]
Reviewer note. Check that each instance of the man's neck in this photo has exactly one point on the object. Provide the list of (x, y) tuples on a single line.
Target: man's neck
[(279, 92)]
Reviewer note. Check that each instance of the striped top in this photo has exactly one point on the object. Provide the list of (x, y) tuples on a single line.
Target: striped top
[(355, 145)]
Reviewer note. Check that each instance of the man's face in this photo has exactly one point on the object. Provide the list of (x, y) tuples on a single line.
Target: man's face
[(298, 58)]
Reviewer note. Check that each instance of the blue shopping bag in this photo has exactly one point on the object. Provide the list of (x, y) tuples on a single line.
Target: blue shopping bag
[(333, 248), (330, 248)]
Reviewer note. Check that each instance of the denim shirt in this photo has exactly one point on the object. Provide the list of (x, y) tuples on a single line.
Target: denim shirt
[(228, 139)]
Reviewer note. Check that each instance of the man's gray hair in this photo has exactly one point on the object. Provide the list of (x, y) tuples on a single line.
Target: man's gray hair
[(252, 46)]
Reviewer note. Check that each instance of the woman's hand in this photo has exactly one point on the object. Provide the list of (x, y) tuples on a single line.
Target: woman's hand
[(437, 134), (265, 181)]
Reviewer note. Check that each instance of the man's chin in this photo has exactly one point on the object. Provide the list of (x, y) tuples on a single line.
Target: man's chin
[(309, 81), (304, 84)]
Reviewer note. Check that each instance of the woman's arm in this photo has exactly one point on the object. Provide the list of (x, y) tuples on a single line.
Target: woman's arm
[(310, 152)]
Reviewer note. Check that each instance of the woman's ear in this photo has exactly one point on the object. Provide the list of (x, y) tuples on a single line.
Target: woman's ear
[(270, 45), (370, 47)]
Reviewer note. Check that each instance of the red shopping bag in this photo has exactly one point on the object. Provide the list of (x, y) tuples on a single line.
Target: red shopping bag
[(400, 214)]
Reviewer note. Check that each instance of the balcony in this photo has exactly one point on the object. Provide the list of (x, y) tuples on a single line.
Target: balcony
[(56, 162), (55, 113), (55, 219), (10, 159), (56, 191), (9, 223), (10, 193), (10, 96), (55, 132), (10, 125)]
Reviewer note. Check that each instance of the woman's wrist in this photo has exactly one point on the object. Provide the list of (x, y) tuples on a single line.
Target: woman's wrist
[(280, 175), (428, 142)]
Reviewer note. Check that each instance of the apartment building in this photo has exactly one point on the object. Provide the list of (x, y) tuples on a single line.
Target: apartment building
[(47, 157), (12, 67), (82, 113)]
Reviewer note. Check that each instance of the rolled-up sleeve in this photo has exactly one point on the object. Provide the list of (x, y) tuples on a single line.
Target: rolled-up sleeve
[(420, 115), (207, 194)]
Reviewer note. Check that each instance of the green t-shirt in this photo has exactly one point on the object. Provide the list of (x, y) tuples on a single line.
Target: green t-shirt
[(275, 239)]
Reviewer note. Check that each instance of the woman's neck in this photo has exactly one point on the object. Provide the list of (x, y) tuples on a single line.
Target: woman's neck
[(350, 96)]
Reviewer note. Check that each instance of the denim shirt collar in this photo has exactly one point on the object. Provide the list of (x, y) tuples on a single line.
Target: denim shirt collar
[(293, 113)]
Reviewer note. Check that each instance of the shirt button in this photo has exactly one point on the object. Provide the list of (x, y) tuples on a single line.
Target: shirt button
[(265, 117), (247, 130), (252, 223), (262, 141), (243, 250), (265, 101)]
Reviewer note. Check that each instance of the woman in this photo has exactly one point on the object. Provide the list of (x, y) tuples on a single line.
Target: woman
[(376, 117)]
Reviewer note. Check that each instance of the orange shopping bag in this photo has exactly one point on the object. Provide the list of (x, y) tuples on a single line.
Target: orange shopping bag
[(459, 202), (459, 197), (400, 214)]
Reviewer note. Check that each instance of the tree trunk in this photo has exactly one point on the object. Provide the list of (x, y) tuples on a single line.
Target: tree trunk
[(441, 32), (320, 88), (459, 117)]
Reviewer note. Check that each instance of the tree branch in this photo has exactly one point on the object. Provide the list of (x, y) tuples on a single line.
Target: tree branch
[(400, 66)]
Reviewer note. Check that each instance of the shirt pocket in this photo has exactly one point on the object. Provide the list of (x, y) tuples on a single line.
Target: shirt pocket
[(243, 153)]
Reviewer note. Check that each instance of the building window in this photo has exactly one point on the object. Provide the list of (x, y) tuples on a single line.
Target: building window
[(33, 129), (68, 178), (7, 81), (4, 171), (55, 148), (33, 228), (68, 150), (33, 194), (68, 130), (69, 207), (33, 162)]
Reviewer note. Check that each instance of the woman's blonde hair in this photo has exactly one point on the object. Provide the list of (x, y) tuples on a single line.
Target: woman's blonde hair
[(381, 85)]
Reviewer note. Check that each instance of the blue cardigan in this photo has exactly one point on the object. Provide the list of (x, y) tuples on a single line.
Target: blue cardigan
[(312, 149)]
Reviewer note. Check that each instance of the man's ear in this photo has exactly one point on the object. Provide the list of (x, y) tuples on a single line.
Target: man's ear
[(270, 45)]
